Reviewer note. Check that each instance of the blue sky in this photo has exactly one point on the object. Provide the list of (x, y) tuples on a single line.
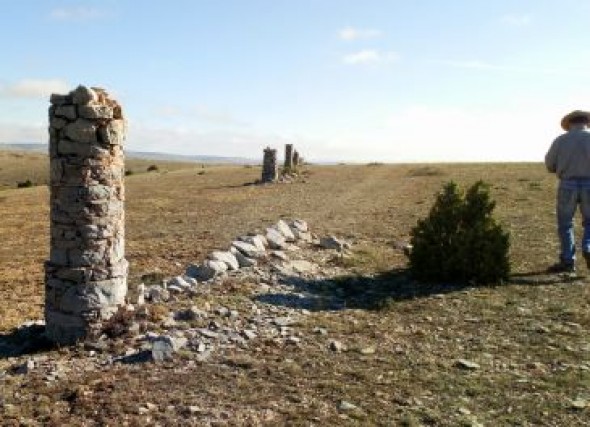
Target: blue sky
[(370, 80)]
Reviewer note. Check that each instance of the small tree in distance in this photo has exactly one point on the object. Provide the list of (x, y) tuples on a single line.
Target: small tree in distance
[(460, 241)]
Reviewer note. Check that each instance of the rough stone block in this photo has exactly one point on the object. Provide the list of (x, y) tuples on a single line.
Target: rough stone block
[(82, 130), (83, 95), (95, 111), (66, 111)]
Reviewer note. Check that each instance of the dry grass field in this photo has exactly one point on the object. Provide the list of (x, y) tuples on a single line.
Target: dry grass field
[(529, 336)]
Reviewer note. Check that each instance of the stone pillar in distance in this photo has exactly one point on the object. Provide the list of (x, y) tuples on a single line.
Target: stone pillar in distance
[(269, 165), (295, 159), (288, 157), (86, 274)]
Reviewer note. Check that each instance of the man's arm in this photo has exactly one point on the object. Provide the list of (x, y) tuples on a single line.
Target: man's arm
[(551, 157)]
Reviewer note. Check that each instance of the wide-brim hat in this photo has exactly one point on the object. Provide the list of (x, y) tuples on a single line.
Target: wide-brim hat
[(565, 122)]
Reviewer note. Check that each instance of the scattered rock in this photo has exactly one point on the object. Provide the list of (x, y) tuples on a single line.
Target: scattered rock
[(208, 270), (467, 364), (189, 314), (248, 249), (280, 255), (257, 240), (367, 350), (275, 239), (157, 294), (243, 260), (337, 346), (299, 225), (227, 257), (345, 406), (331, 242), (179, 282), (284, 321), (580, 403), (164, 347), (141, 294), (283, 228)]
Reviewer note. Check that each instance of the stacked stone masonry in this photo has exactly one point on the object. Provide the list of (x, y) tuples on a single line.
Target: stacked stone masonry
[(269, 165), (295, 159), (288, 157), (86, 274)]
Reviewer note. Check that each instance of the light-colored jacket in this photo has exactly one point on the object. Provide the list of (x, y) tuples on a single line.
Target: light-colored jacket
[(569, 155)]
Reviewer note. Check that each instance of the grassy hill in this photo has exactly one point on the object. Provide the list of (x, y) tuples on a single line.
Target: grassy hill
[(529, 337)]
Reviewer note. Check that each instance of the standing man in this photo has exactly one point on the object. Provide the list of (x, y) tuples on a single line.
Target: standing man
[(569, 158)]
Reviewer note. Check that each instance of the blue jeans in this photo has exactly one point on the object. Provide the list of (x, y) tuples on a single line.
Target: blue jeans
[(571, 193)]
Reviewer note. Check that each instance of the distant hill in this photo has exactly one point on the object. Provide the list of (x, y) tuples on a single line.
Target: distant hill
[(144, 155)]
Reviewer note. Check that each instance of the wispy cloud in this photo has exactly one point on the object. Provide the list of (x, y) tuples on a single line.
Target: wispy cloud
[(76, 13), (351, 33), (514, 20), (34, 88), (369, 57)]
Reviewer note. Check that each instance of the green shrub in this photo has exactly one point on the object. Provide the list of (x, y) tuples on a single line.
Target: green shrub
[(153, 168), (460, 241), (128, 172)]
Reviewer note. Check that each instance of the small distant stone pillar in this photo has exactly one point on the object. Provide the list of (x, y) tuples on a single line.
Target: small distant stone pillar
[(288, 157), (269, 165), (86, 275), (295, 159)]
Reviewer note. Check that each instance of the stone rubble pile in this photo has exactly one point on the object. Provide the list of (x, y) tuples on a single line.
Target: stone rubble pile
[(86, 274), (198, 327)]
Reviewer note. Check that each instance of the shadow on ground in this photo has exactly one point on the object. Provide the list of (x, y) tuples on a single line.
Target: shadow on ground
[(372, 292), (376, 292), (28, 339)]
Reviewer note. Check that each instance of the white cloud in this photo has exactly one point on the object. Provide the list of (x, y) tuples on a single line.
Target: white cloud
[(351, 33), (369, 56), (76, 13), (34, 88), (516, 20)]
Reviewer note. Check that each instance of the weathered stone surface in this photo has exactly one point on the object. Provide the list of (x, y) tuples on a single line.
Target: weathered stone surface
[(57, 123), (206, 271), (83, 95), (257, 240), (113, 133), (82, 131), (227, 257), (179, 282), (95, 111), (243, 260), (270, 171), (285, 230), (164, 347), (300, 225), (66, 111), (57, 99), (86, 275), (248, 249), (331, 242), (288, 157), (275, 239)]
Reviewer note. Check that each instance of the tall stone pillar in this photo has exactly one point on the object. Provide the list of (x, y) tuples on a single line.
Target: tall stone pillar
[(288, 156), (269, 165), (295, 159), (86, 274)]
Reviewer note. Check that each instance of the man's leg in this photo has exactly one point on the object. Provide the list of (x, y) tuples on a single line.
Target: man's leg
[(567, 201), (585, 208)]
